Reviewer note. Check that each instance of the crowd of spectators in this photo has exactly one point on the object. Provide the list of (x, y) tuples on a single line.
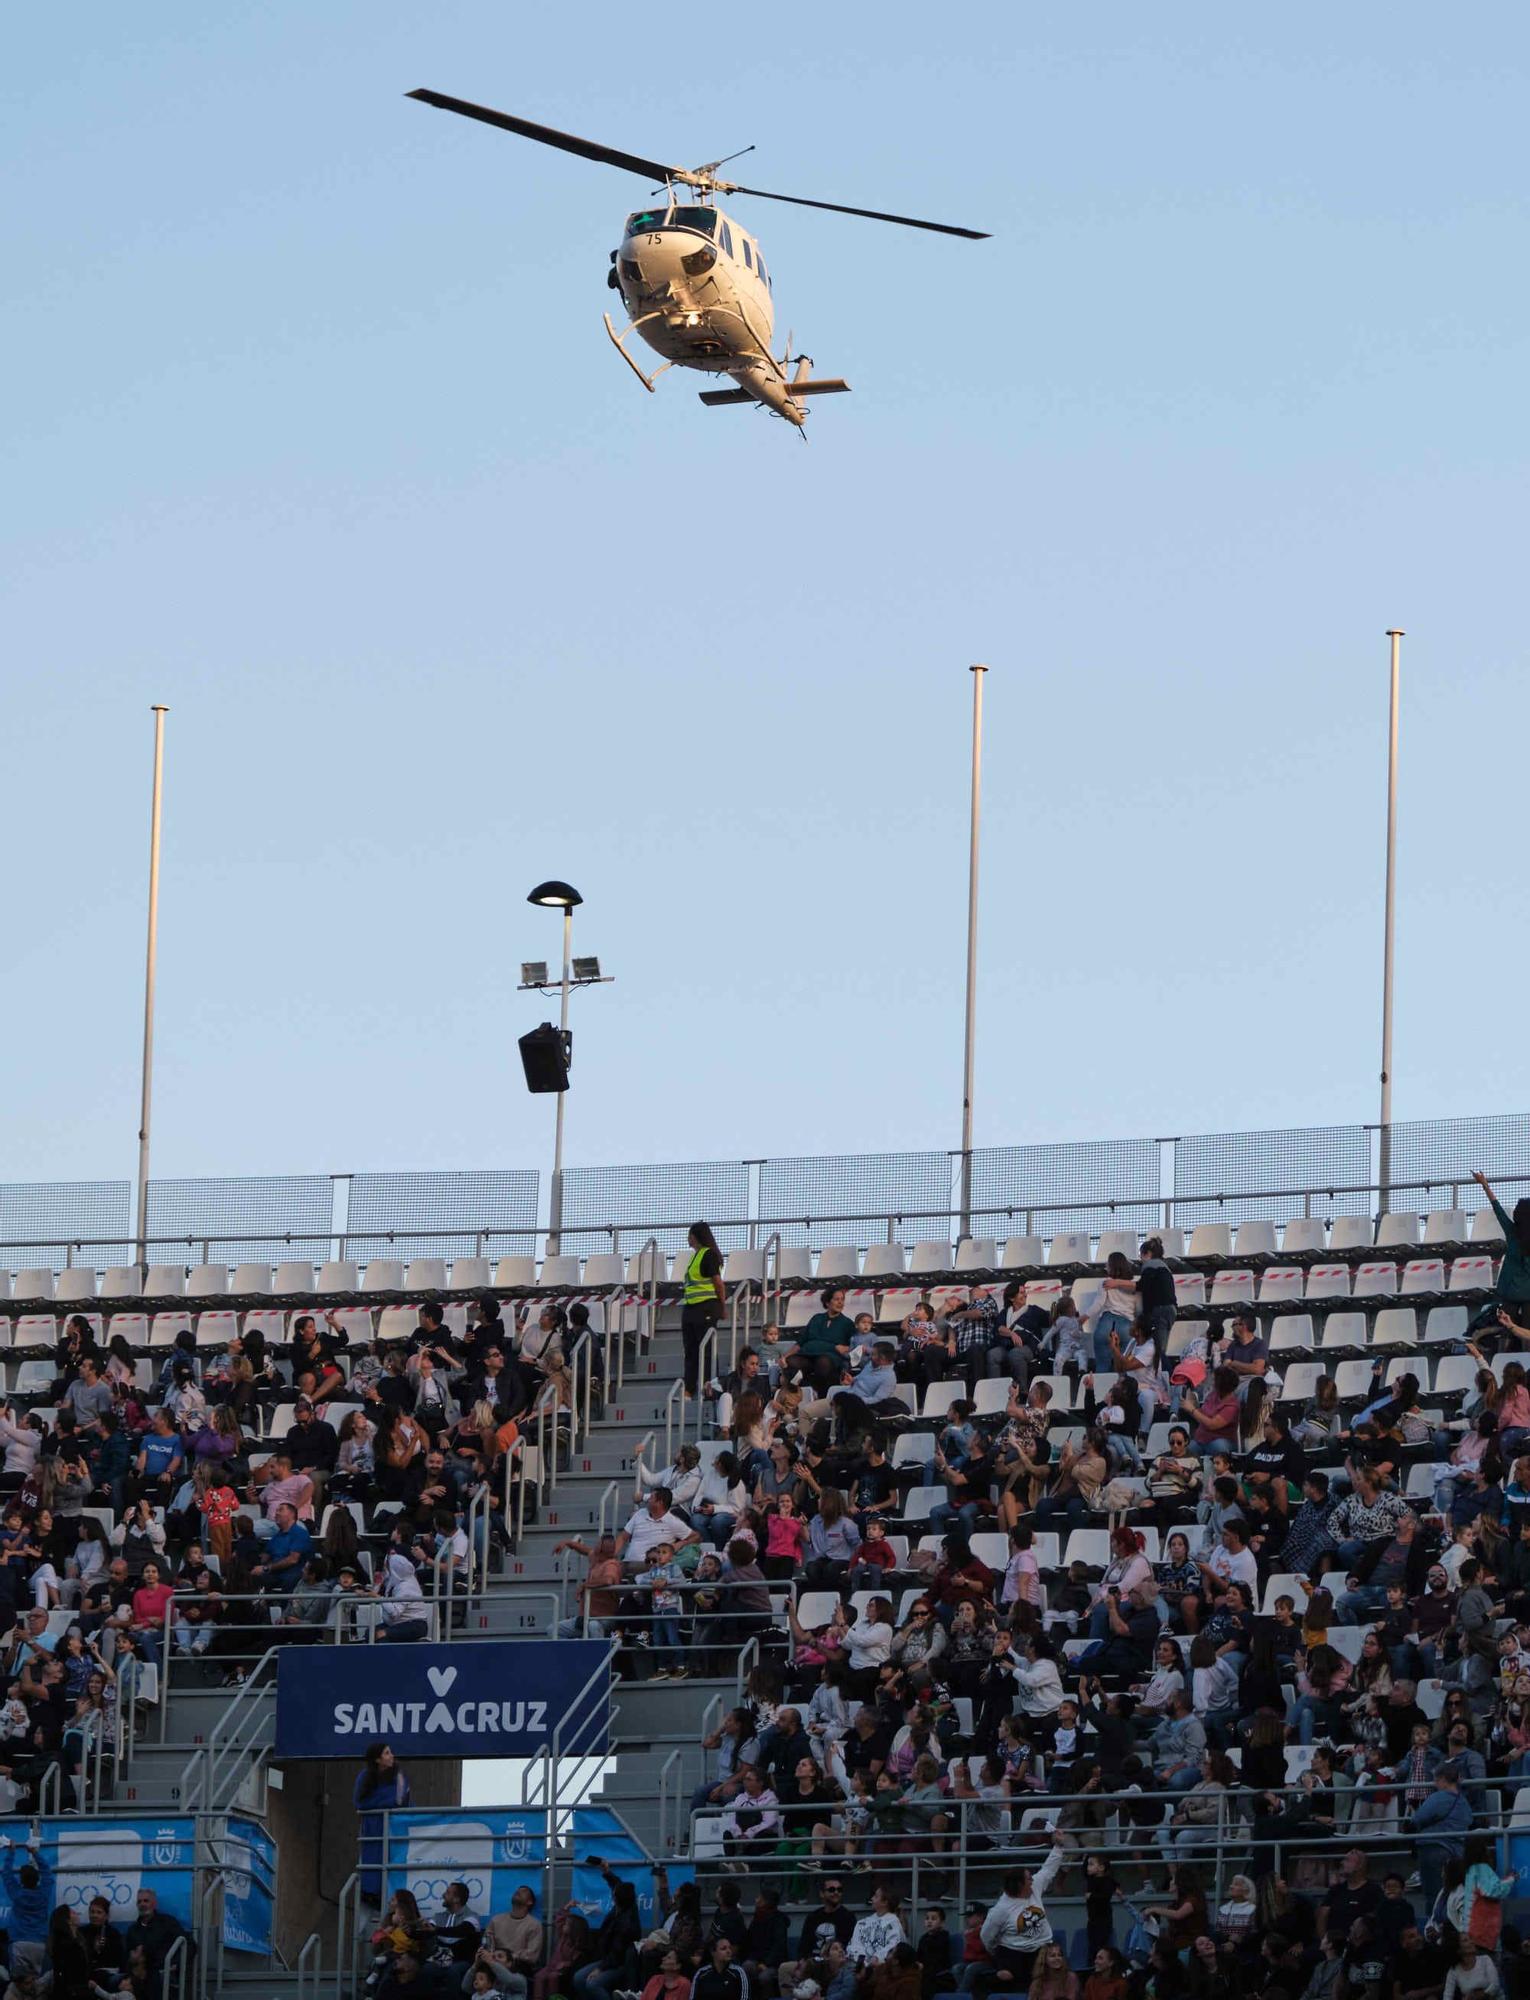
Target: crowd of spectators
[(211, 1503), (1294, 1656)]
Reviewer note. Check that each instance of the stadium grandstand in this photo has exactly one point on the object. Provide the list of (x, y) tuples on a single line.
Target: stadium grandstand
[(1133, 1600)]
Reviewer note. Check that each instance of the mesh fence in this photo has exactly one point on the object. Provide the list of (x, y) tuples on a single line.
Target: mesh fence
[(412, 1208), (874, 1185), (631, 1199), (1117, 1178), (1444, 1152), (1318, 1157), (296, 1208), (39, 1221)]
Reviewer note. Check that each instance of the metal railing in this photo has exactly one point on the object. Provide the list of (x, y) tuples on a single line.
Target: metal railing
[(869, 1223)]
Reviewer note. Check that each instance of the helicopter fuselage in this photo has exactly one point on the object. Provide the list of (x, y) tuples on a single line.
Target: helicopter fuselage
[(698, 291)]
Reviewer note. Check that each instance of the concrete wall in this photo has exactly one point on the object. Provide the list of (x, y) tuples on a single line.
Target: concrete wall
[(314, 1826)]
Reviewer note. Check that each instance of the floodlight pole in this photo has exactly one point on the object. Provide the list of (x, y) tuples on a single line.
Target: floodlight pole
[(145, 1102), (555, 1192), (977, 673), (1384, 1173)]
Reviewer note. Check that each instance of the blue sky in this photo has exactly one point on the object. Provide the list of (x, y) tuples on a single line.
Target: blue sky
[(314, 434)]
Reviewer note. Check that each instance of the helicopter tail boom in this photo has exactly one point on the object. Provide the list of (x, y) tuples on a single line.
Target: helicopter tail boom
[(834, 385)]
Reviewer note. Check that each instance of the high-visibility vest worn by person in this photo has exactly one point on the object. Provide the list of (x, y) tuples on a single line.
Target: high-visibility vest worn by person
[(699, 1291)]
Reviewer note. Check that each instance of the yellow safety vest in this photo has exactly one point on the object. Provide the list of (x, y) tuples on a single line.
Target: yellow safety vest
[(699, 1291)]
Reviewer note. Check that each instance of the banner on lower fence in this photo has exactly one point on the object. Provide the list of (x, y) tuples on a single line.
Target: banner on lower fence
[(249, 1886), (491, 1852), (599, 1836), (488, 1698), (77, 1861)]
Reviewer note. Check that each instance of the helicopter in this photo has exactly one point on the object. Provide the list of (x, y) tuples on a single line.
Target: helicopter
[(693, 279)]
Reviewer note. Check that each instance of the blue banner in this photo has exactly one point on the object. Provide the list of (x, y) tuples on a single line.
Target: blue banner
[(486, 1698), (493, 1852), (249, 1886), (80, 1859), (599, 1835)]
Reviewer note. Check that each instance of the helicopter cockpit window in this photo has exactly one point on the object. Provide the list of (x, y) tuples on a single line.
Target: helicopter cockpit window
[(704, 219), (725, 237), (646, 218), (748, 260)]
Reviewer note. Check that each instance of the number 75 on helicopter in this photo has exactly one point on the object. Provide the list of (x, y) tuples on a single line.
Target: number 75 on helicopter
[(693, 279)]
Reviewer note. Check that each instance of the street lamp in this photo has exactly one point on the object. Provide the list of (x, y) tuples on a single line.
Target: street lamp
[(576, 972)]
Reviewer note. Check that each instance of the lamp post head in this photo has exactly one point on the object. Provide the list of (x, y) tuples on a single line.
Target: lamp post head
[(555, 896)]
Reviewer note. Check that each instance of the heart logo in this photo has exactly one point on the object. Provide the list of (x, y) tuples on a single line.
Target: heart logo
[(441, 1678)]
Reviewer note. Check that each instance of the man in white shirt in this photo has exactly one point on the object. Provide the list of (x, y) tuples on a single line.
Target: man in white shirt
[(649, 1525), (1017, 1926)]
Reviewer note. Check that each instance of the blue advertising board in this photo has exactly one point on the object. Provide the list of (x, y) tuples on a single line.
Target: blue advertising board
[(79, 1859), (486, 1698), (491, 1850), (599, 1835), (249, 1886)]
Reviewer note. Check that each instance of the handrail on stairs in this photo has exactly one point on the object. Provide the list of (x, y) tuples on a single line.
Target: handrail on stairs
[(315, 1944), (199, 1778)]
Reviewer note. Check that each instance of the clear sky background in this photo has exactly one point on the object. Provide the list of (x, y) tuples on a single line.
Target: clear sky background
[(312, 432)]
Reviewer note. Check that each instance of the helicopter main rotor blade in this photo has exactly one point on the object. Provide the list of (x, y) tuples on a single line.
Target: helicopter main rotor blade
[(651, 170), (872, 214)]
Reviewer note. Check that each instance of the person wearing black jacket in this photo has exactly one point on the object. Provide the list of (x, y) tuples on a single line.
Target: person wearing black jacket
[(765, 1945), (104, 1949), (154, 1929), (313, 1447), (614, 1944), (720, 1979)]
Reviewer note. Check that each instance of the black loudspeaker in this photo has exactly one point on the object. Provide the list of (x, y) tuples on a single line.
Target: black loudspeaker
[(545, 1056)]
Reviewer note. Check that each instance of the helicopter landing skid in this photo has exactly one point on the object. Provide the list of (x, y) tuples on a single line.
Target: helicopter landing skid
[(618, 340)]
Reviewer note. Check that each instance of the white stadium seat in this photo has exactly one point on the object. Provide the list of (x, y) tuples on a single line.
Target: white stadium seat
[(1445, 1323), (1471, 1274), (515, 1273), (1069, 1247), (1020, 1253), (1408, 1364), (471, 1274), (1302, 1378), (1291, 1334), (1351, 1232), (1423, 1274), (1118, 1243), (165, 1281), (122, 1281), (1278, 1284), (1446, 1225), (839, 1260), (740, 1267), (1353, 1380), (1343, 1333), (977, 1253), (74, 1286), (133, 1327), (1211, 1239), (1456, 1375), (794, 1262), (1256, 1239), (1397, 1231), (1328, 1281), (249, 1280), (382, 1274), (339, 1275), (1303, 1235), (1232, 1288), (896, 1303), (1485, 1227), (1396, 1326), (216, 1329), (884, 1260), (425, 1274), (929, 1256), (1173, 1240), (166, 1326), (206, 1281), (288, 1279), (606, 1267), (35, 1330), (34, 1284), (1189, 1289), (1376, 1281)]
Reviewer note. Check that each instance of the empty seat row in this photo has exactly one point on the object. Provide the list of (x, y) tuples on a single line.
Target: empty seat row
[(205, 1281)]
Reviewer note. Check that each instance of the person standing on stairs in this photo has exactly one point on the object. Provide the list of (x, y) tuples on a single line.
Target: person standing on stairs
[(703, 1302)]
